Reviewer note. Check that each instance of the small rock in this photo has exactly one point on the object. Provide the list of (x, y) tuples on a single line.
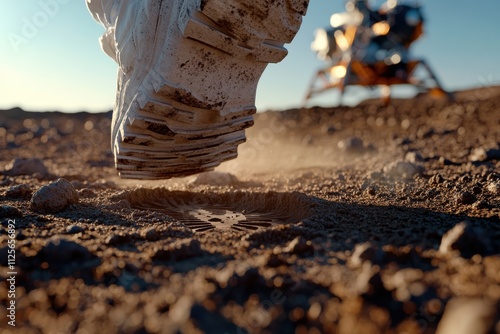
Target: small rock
[(403, 169), (351, 145), (466, 198), (482, 154), (468, 240), (466, 315), (54, 197), (74, 229), (19, 191), (22, 166), (7, 211)]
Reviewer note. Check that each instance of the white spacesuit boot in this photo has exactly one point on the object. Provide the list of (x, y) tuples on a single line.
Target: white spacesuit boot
[(188, 75)]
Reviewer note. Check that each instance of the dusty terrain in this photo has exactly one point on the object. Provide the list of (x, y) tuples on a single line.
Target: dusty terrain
[(332, 220)]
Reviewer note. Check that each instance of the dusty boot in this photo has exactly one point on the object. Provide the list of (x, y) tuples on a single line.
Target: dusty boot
[(188, 75)]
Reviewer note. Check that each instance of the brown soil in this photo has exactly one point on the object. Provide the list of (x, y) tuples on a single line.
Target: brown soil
[(330, 221)]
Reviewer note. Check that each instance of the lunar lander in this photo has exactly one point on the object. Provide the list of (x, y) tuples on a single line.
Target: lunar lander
[(371, 48)]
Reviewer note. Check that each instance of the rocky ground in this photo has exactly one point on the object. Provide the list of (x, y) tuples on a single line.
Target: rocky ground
[(368, 219)]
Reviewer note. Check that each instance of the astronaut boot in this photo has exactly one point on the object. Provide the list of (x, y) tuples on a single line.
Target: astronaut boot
[(188, 73)]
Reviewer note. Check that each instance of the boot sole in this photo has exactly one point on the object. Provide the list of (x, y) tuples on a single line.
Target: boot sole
[(169, 130)]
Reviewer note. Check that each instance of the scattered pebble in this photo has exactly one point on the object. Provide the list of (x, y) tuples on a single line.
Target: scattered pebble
[(403, 169), (215, 179), (19, 191), (481, 154), (466, 315), (74, 229), (22, 166), (466, 239), (54, 197), (7, 211)]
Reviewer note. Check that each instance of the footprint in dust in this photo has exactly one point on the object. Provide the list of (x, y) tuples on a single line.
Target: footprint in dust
[(241, 211)]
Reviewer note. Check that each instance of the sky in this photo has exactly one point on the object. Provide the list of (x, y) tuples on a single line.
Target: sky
[(50, 58)]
